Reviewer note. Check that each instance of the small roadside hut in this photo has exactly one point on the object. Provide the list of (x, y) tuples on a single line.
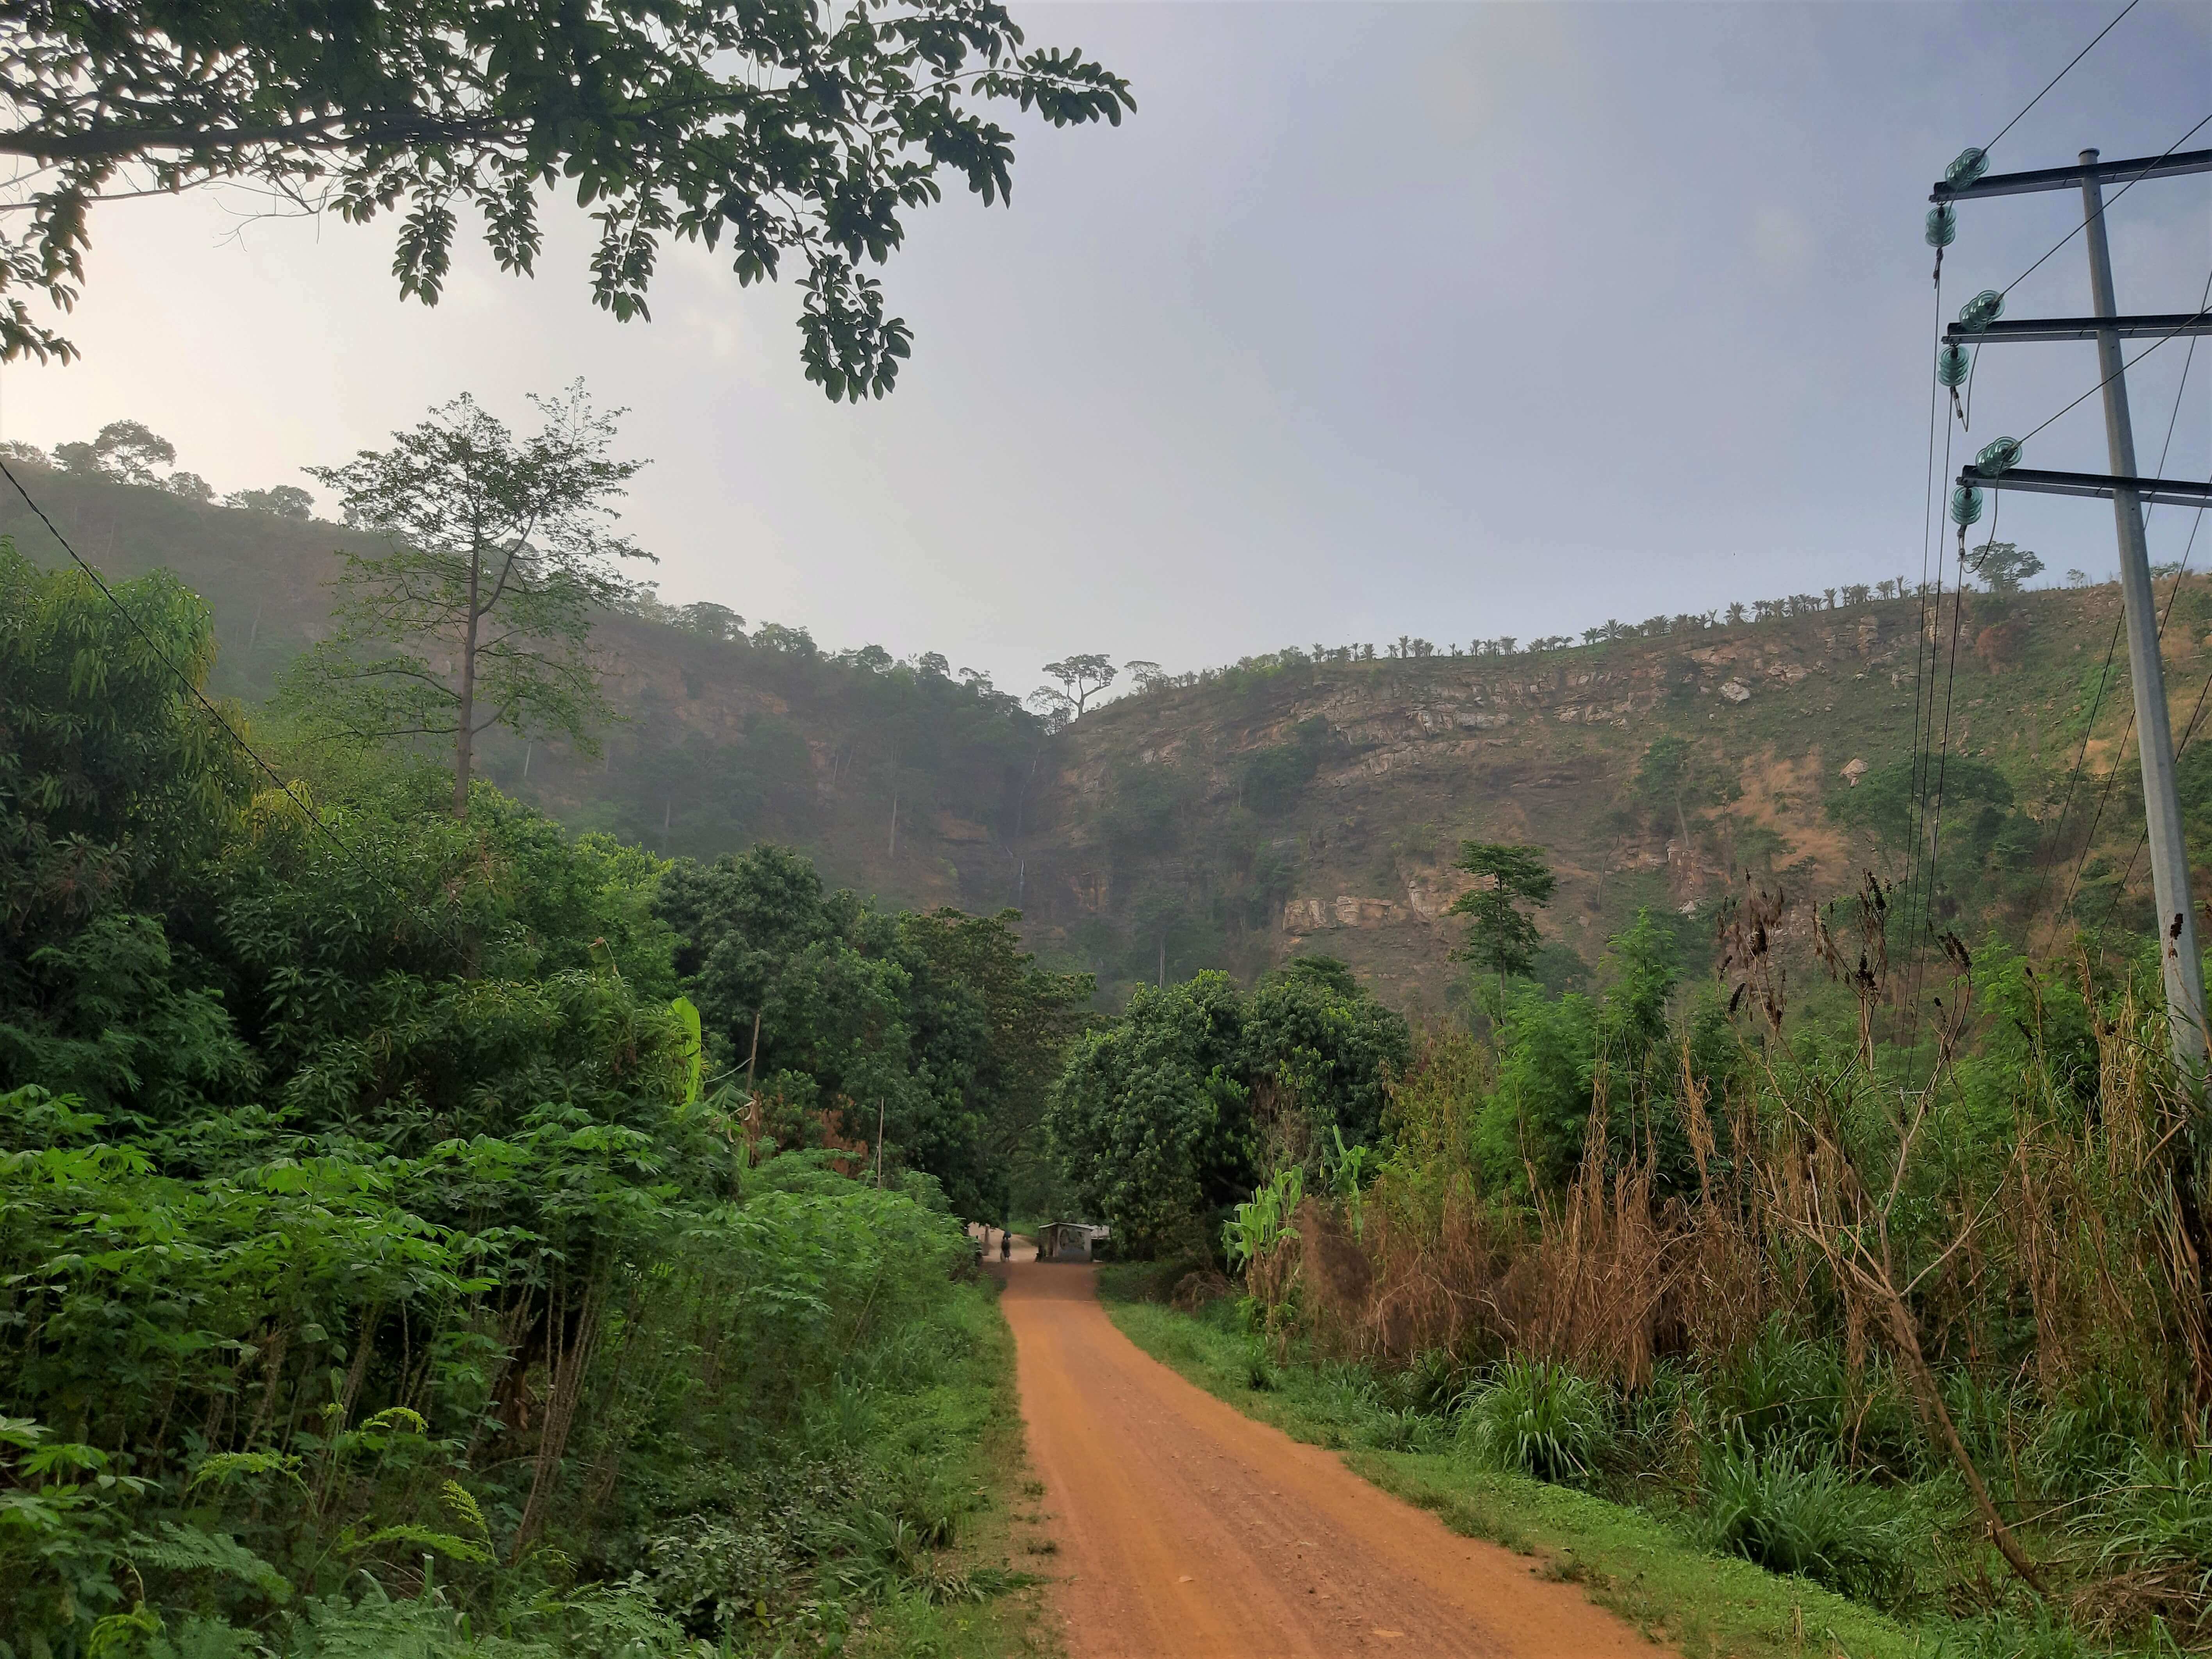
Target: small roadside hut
[(1070, 1241)]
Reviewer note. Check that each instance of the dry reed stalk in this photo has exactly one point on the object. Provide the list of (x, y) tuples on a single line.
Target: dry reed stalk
[(1602, 1267), (2089, 1227), (1605, 1279), (1820, 1193)]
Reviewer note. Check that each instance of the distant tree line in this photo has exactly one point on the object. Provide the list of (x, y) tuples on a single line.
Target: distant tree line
[(718, 622), (2001, 567), (129, 451)]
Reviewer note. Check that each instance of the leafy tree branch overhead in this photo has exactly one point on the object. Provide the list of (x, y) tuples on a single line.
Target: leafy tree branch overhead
[(780, 128)]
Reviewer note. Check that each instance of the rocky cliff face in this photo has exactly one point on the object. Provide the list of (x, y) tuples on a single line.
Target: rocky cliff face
[(1774, 718)]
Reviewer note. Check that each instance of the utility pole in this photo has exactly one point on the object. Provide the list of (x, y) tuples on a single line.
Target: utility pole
[(2169, 852), (2182, 965)]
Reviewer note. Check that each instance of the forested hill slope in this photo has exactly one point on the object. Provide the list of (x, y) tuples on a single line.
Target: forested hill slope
[(896, 780), (1291, 803)]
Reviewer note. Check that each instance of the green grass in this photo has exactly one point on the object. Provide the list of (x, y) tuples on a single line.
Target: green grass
[(1629, 1562), (966, 1429)]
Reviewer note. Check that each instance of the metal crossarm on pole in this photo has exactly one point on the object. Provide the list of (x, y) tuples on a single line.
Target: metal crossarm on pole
[(2163, 326), (2087, 172), (2172, 492)]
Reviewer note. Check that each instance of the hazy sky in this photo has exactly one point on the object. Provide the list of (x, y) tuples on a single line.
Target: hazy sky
[(1448, 320)]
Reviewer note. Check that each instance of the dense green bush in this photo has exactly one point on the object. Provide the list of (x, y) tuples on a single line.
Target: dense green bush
[(1809, 1519), (1530, 1417), (1161, 1121), (383, 1267)]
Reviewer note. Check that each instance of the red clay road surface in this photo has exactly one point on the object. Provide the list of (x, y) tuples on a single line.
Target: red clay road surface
[(1188, 1531)]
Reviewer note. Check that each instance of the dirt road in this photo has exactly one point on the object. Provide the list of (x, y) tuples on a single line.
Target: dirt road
[(1188, 1531)]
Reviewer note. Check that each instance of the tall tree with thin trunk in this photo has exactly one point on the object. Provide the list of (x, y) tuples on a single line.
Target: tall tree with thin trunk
[(480, 613), (1503, 938)]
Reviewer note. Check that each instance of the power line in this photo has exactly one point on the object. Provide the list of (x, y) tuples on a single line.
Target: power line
[(1923, 666), (1930, 492), (2112, 775), (186, 680), (2127, 729), (2062, 74), (2121, 886), (2180, 749), (2106, 205), (1943, 753), (2161, 340)]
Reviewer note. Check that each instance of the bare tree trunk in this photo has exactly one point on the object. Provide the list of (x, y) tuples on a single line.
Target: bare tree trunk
[(562, 1398), (1907, 1338), (894, 852), (465, 738)]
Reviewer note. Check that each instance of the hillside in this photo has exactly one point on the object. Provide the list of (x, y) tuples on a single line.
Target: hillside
[(1318, 808), (904, 783), (1294, 805)]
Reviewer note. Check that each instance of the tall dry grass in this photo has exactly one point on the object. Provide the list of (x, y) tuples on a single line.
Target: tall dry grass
[(1974, 1238), (1605, 1275), (1823, 1196)]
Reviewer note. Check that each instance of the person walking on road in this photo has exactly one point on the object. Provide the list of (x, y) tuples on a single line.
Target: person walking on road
[(1005, 1244)]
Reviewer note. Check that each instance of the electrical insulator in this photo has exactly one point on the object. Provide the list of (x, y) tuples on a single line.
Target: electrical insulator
[(1952, 364), (1971, 164), (1942, 226), (1978, 312), (1965, 505), (1997, 457)]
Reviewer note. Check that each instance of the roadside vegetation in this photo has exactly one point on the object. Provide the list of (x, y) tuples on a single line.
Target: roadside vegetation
[(394, 1261), (1911, 1318)]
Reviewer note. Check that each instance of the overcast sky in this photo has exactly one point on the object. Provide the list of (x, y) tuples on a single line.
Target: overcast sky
[(1448, 320)]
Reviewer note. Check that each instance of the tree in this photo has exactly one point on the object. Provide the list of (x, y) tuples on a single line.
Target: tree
[(284, 501), (1165, 1118), (1053, 707), (816, 1002), (1961, 810), (1082, 677), (190, 485), (1671, 777), (991, 1025), (784, 128), (790, 642), (1326, 1046), (710, 620), (1502, 940), (1150, 675), (124, 450), (2005, 567), (480, 613)]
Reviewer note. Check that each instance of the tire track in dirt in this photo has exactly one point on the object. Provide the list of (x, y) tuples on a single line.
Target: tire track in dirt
[(1187, 1530)]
